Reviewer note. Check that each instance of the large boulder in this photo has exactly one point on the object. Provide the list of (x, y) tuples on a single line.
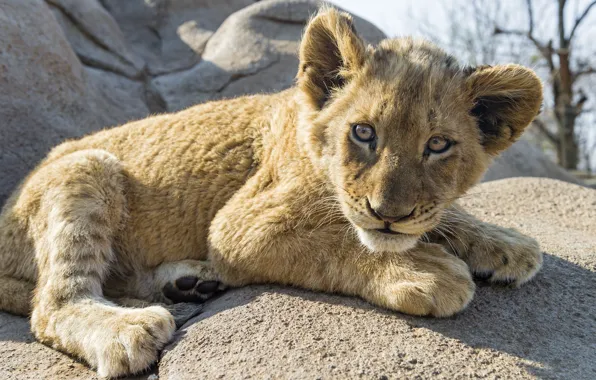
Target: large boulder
[(545, 329), (254, 50), (46, 94)]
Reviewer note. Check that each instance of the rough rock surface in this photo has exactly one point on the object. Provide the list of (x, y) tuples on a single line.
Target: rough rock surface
[(545, 329)]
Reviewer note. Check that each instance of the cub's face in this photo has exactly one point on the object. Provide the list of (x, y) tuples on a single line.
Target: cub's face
[(401, 129)]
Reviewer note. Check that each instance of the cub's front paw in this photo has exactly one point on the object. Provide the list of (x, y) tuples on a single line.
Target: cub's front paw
[(130, 341), (504, 256), (437, 286)]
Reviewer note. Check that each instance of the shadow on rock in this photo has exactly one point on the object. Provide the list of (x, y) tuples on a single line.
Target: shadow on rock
[(550, 321), (14, 328)]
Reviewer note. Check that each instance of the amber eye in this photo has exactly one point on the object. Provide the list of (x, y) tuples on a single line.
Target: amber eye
[(438, 144), (363, 133)]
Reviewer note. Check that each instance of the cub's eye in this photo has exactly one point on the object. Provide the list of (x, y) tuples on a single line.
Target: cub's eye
[(438, 144), (363, 133)]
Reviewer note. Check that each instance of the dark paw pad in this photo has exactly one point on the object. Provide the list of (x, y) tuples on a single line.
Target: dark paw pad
[(190, 289), (483, 276), (207, 287), (186, 282)]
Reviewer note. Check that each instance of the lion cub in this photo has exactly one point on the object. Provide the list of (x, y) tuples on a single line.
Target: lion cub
[(345, 183)]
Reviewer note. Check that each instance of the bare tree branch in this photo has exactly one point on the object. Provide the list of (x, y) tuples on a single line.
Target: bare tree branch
[(581, 18), (546, 50), (586, 71), (530, 17), (563, 42), (522, 33), (541, 125), (556, 52), (579, 104)]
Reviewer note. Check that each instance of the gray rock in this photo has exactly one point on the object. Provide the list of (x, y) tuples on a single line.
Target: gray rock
[(524, 159), (254, 50), (45, 94), (96, 37), (170, 35)]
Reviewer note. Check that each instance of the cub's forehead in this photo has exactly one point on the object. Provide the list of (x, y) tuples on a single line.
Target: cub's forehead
[(413, 67), (396, 55), (410, 83), (406, 74)]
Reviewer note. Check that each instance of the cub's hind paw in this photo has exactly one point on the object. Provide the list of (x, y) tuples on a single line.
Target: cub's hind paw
[(187, 281), (191, 289)]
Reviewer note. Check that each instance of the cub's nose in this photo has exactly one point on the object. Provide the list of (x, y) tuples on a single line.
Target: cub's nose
[(402, 213)]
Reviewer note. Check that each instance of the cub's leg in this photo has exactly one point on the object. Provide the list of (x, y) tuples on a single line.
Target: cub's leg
[(424, 281), (81, 208), (17, 260), (169, 283), (497, 254), (16, 295)]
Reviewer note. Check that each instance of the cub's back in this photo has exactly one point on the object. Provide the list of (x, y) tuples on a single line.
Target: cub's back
[(181, 169)]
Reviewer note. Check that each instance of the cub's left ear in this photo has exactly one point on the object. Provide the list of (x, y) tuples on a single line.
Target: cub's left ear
[(330, 52), (506, 100)]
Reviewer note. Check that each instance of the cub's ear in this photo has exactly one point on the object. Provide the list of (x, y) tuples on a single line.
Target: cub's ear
[(506, 99), (330, 52)]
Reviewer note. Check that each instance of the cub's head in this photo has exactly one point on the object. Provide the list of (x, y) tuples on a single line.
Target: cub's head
[(401, 129)]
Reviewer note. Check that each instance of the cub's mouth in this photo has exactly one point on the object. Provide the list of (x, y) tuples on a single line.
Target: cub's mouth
[(388, 231)]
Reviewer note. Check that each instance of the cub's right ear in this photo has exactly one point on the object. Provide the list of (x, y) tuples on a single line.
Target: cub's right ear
[(330, 53)]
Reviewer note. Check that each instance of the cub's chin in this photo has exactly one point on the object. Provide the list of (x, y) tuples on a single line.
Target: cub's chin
[(378, 241)]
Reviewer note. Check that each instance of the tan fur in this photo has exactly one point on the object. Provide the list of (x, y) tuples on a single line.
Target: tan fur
[(271, 188)]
